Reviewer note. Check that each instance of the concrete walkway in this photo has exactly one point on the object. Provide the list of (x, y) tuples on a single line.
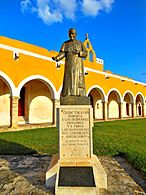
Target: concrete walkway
[(26, 175)]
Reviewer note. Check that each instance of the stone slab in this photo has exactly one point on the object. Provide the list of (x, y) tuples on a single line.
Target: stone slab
[(77, 191), (76, 176), (99, 175), (74, 100), (75, 132)]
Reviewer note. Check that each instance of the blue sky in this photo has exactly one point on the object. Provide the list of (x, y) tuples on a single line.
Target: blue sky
[(116, 28)]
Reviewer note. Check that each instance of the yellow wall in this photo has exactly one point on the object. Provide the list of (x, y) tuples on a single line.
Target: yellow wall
[(26, 66)]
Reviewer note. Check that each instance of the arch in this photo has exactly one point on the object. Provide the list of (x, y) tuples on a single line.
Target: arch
[(7, 90), (141, 97), (139, 102), (101, 91), (131, 96), (97, 97), (128, 109), (113, 107), (36, 102), (43, 79), (119, 97), (9, 83)]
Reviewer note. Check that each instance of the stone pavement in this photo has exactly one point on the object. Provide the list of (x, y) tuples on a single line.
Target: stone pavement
[(25, 175)]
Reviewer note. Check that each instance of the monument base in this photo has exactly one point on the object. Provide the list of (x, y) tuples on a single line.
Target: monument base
[(74, 100), (94, 179), (75, 171)]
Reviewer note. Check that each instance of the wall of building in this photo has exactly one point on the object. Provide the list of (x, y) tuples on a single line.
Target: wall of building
[(35, 70)]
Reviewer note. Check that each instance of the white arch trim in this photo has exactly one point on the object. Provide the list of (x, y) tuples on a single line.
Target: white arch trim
[(98, 87), (58, 92), (40, 77), (9, 82), (139, 93), (128, 91), (114, 89)]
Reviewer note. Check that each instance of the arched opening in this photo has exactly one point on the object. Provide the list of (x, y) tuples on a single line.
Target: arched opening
[(139, 109), (128, 101), (127, 109), (97, 102), (35, 103), (21, 103), (5, 103), (139, 105), (113, 106)]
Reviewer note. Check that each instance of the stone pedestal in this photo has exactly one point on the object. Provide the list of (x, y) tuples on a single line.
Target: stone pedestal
[(75, 170)]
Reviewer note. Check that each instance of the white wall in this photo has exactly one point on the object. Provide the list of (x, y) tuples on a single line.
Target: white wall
[(4, 104), (113, 109)]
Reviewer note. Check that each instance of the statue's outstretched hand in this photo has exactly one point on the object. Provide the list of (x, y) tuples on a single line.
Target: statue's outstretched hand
[(53, 58)]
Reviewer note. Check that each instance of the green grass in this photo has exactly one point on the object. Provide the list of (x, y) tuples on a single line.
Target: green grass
[(122, 137), (110, 138), (43, 140)]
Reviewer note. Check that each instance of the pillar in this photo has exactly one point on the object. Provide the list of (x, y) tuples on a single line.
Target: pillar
[(132, 109), (143, 110), (105, 111), (14, 112), (56, 103), (121, 110)]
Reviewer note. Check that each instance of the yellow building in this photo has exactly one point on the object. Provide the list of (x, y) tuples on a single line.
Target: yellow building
[(31, 82)]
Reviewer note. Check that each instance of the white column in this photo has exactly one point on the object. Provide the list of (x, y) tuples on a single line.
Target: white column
[(14, 112), (105, 111), (143, 113), (121, 110), (56, 103), (135, 110)]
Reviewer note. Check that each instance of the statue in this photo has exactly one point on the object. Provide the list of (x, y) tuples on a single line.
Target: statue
[(73, 51)]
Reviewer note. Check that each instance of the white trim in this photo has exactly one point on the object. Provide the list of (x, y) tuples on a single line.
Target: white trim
[(112, 75), (40, 77), (58, 92), (97, 87), (139, 93), (114, 89), (10, 83), (29, 53), (17, 50), (128, 91)]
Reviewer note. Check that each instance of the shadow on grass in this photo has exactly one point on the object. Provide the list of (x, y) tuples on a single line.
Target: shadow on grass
[(12, 148), (25, 162)]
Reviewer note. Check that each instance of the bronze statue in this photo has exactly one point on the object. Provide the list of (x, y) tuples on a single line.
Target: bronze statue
[(73, 51)]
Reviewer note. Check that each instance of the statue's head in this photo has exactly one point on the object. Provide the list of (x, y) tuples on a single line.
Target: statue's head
[(72, 33)]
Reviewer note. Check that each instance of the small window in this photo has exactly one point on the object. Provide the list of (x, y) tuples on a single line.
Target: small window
[(91, 56), (87, 45)]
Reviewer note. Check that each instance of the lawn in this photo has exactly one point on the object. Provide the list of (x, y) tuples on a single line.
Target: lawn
[(127, 137)]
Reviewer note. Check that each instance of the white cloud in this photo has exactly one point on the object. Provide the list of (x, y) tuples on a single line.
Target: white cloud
[(68, 7), (107, 5), (93, 7), (26, 6), (51, 11), (46, 14)]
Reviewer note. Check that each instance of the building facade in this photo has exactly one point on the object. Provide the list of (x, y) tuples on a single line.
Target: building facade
[(31, 82)]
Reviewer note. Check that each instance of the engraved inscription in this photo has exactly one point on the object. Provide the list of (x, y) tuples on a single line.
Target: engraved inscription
[(75, 132)]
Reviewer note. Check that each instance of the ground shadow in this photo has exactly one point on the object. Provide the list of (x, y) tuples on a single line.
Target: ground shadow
[(140, 178), (11, 148), (24, 163)]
